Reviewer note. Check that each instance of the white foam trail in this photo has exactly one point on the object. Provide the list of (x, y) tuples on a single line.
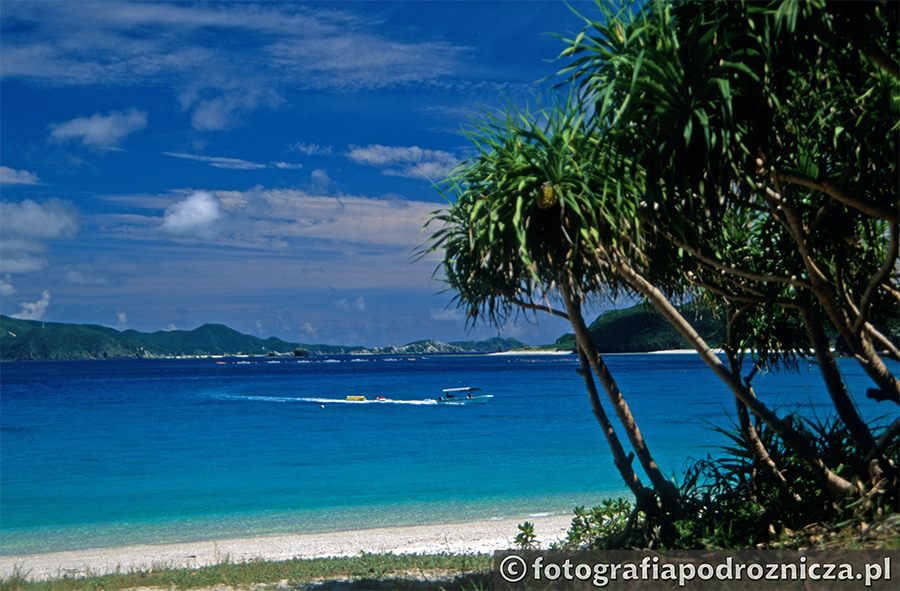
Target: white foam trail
[(286, 399), (385, 401)]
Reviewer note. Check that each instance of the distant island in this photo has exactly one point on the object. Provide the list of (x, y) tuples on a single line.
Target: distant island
[(637, 329), (641, 329), (33, 340)]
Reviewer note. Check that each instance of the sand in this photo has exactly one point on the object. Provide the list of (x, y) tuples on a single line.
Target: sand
[(481, 537)]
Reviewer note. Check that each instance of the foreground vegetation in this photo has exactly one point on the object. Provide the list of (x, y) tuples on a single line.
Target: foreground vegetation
[(365, 572)]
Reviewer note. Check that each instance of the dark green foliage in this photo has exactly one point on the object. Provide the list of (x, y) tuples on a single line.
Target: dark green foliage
[(609, 525), (526, 538), (765, 136), (733, 504), (504, 243), (729, 503)]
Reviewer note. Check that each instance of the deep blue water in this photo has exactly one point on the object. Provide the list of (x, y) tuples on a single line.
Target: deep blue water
[(121, 452)]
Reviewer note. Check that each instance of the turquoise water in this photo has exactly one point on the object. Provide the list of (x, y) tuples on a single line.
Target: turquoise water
[(96, 454)]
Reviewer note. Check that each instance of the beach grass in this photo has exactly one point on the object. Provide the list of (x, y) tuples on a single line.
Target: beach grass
[(444, 571)]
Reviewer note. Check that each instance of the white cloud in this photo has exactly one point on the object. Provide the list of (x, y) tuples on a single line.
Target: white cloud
[(100, 131), (26, 227), (6, 286), (78, 277), (122, 318), (34, 310), (259, 49), (11, 176), (223, 111), (411, 162), (287, 165), (320, 177), (447, 314), (219, 161), (287, 215), (31, 220), (198, 216), (278, 241), (310, 149), (344, 304)]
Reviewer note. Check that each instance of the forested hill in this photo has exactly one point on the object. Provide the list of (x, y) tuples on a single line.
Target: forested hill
[(23, 340), (642, 328), (34, 340)]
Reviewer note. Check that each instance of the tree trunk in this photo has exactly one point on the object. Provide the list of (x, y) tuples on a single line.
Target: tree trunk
[(666, 489), (857, 338), (750, 433), (642, 494), (834, 382)]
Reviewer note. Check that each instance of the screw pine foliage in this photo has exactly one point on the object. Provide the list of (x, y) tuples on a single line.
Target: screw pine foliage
[(743, 154)]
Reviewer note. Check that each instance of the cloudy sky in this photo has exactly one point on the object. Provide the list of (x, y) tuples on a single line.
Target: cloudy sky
[(264, 165)]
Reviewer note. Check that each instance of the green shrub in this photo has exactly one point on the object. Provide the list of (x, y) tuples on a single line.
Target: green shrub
[(729, 502)]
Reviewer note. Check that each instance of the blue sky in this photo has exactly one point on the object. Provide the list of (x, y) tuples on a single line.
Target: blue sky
[(263, 165)]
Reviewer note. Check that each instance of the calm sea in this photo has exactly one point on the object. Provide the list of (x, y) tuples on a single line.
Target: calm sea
[(96, 454)]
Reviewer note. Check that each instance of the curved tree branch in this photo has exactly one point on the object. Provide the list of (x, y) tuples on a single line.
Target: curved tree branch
[(878, 279), (878, 338), (792, 439), (838, 193), (859, 341), (732, 270), (539, 308)]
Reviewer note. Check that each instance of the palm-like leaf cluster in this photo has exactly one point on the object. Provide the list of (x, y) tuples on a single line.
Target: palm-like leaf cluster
[(745, 153), (529, 208)]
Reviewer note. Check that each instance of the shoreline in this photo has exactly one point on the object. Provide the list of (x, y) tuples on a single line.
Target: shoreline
[(476, 537)]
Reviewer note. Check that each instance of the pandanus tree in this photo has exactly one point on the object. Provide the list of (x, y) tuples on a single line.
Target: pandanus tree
[(740, 153), (768, 148), (522, 208)]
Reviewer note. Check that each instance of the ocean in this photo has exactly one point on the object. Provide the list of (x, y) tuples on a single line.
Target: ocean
[(112, 453)]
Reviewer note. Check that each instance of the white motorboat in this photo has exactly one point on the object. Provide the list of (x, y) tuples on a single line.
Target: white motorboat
[(463, 396)]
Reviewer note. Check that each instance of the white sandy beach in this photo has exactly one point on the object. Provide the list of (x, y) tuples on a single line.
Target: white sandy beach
[(482, 537), (527, 352)]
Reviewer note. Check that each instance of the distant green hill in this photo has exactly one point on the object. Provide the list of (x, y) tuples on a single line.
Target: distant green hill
[(209, 339), (641, 328), (32, 340), (27, 340), (35, 340)]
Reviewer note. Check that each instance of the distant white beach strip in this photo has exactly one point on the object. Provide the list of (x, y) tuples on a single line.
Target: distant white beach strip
[(521, 353), (481, 537)]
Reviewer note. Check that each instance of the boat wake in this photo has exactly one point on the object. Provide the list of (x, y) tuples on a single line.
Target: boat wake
[(383, 401), (289, 399)]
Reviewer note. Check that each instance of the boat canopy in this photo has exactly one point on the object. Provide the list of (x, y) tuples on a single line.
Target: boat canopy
[(460, 390)]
